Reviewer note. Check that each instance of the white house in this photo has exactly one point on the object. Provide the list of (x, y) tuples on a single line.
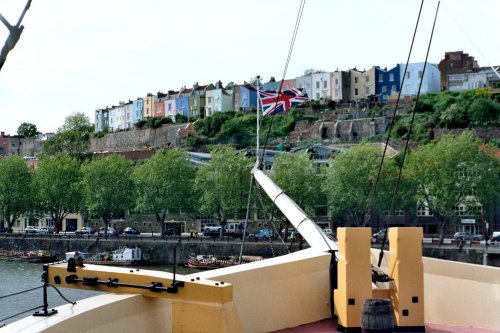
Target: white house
[(321, 86)]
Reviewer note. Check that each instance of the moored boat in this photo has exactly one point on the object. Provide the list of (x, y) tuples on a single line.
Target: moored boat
[(214, 262), (122, 257), (38, 256)]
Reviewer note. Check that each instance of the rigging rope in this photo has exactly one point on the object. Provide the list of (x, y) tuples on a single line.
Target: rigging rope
[(396, 189), (373, 191), (289, 56)]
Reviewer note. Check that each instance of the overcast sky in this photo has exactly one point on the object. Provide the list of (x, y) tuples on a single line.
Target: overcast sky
[(82, 55)]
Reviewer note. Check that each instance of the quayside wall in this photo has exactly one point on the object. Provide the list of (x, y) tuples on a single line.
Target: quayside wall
[(161, 250)]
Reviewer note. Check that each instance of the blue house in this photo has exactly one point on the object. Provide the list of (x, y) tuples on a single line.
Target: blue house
[(245, 97), (182, 101), (387, 81), (137, 110)]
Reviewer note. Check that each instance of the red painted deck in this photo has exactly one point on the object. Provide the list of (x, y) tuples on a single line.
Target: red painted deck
[(329, 325)]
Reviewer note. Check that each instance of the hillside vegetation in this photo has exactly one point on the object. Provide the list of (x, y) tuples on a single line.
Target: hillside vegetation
[(474, 109)]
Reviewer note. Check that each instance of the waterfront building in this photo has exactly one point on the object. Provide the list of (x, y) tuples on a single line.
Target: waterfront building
[(455, 62), (387, 82), (102, 119), (159, 105), (321, 87), (170, 105), (357, 85), (472, 79), (341, 86), (414, 73), (305, 83), (137, 111), (182, 101), (197, 99), (147, 106), (245, 97), (218, 99)]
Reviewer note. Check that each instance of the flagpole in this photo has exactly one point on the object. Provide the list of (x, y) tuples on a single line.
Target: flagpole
[(258, 120)]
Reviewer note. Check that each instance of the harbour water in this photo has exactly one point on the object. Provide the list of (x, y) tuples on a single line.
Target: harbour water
[(20, 276)]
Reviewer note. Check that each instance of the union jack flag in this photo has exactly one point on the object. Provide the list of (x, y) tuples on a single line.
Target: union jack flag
[(271, 103)]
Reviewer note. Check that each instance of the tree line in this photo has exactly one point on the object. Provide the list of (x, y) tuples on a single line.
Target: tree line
[(441, 176)]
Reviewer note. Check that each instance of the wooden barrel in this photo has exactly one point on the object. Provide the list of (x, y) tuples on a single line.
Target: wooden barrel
[(377, 316)]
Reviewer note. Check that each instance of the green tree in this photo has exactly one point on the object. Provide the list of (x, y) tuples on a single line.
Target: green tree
[(350, 181), (15, 189), (28, 130), (72, 143), (165, 184), (57, 184), (108, 187), (72, 137), (301, 181), (453, 172), (77, 122), (222, 185), (295, 174)]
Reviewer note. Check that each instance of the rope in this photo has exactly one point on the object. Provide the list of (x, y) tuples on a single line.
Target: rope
[(246, 220), (373, 191), (20, 292), (396, 189), (289, 56), (62, 296)]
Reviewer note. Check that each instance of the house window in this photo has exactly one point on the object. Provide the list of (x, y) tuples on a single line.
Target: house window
[(209, 99), (384, 89), (356, 91), (325, 84), (317, 96), (408, 75), (317, 84), (355, 80), (336, 93), (394, 87), (423, 210), (195, 102), (419, 74), (391, 77), (461, 210), (367, 90), (336, 81), (169, 107), (380, 78), (367, 79)]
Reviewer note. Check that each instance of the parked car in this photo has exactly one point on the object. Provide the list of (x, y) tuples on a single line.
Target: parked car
[(31, 230), (212, 228), (495, 239), (172, 232), (329, 232), (84, 231), (380, 235), (111, 231), (263, 234), (465, 235), (45, 231), (131, 231)]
